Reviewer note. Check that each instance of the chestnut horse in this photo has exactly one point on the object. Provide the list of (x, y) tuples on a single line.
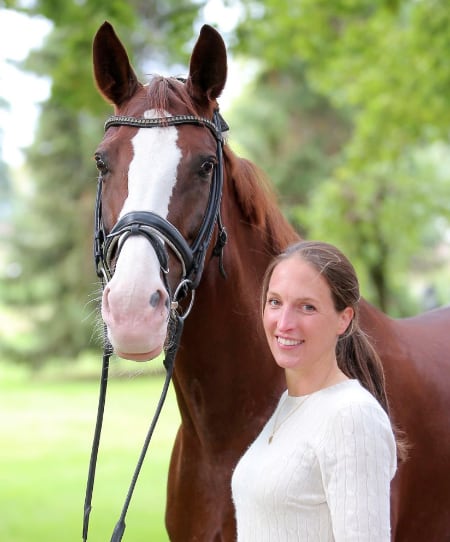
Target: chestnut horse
[(225, 380)]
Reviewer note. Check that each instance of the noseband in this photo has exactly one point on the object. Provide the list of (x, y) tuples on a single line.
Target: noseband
[(161, 234)]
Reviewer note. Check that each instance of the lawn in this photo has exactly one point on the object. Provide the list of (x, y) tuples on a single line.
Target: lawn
[(46, 426)]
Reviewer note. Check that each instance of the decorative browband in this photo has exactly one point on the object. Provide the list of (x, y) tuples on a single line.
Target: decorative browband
[(175, 120)]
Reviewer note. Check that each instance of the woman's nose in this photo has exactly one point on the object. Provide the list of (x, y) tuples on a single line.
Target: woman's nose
[(285, 319)]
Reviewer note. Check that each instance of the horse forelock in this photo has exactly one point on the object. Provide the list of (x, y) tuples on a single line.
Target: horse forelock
[(257, 201), (163, 95)]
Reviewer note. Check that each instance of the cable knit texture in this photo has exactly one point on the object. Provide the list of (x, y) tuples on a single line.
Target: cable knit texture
[(325, 476)]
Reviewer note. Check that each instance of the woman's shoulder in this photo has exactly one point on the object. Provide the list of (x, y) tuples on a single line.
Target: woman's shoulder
[(347, 393), (349, 403), (349, 408), (356, 425)]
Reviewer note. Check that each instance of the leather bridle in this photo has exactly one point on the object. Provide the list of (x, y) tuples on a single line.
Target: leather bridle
[(157, 229), (162, 235)]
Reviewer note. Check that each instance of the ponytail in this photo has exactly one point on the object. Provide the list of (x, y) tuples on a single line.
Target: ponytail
[(357, 358)]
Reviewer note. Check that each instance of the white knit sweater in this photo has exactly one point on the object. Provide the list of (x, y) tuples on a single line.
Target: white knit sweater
[(325, 476)]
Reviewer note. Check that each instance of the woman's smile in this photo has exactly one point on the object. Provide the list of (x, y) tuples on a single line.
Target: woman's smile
[(283, 341)]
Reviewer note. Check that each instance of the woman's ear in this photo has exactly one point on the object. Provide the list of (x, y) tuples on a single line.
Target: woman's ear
[(346, 317)]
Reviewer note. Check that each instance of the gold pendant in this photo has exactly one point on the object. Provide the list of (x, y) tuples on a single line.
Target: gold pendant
[(270, 439)]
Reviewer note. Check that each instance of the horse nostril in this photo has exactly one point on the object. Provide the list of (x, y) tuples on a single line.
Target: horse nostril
[(155, 298)]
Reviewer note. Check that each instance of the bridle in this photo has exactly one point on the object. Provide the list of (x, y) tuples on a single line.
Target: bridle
[(157, 229), (161, 234)]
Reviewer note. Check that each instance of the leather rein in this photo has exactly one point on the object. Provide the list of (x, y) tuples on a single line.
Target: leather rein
[(161, 234)]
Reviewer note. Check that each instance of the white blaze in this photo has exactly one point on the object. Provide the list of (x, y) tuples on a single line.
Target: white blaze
[(134, 325), (153, 169)]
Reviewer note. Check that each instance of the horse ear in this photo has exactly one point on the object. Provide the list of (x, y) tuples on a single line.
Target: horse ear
[(114, 75), (208, 66)]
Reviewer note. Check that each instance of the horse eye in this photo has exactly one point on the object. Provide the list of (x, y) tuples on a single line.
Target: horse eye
[(100, 164), (207, 167)]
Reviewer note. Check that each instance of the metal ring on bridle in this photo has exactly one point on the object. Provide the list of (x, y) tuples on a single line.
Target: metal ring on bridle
[(185, 285)]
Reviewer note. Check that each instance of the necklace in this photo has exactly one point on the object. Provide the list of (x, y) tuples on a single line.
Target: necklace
[(276, 425)]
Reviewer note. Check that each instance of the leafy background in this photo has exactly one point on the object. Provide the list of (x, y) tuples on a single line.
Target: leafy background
[(344, 104)]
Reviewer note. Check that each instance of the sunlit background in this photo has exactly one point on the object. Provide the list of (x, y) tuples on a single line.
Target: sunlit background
[(343, 104)]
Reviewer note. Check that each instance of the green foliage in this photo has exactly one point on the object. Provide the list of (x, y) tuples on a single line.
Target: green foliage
[(5, 181), (53, 239), (383, 216), (385, 61), (389, 66), (296, 141), (384, 66), (5, 190)]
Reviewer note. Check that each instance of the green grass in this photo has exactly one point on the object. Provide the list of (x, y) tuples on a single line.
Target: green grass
[(46, 427)]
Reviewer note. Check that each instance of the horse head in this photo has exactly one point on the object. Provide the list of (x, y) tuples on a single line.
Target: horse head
[(160, 170)]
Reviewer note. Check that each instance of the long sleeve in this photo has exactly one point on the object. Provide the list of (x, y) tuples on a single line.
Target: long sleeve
[(358, 463)]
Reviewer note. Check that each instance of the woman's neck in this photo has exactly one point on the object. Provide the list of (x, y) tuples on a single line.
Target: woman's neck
[(299, 384)]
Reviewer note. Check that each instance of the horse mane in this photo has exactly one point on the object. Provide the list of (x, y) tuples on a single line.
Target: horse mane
[(253, 191), (258, 202)]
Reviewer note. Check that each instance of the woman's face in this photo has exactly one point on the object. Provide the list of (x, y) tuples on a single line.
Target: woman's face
[(300, 321)]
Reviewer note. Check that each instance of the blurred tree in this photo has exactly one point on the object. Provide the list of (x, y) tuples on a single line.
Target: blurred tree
[(53, 234), (5, 185), (290, 131), (385, 61), (388, 224), (383, 64)]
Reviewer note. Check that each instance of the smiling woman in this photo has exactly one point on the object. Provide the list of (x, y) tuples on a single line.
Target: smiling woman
[(322, 466), (19, 34)]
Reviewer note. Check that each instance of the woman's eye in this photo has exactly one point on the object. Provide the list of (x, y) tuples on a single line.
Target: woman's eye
[(308, 308), (272, 302)]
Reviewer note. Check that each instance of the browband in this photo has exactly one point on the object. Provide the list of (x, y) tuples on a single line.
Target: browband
[(175, 120)]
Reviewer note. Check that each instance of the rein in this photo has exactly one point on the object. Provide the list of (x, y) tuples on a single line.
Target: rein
[(160, 233)]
